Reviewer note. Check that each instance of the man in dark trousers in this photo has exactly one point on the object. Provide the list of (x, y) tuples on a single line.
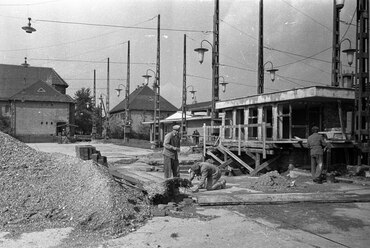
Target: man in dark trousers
[(196, 137), (171, 146), (316, 144), (209, 174)]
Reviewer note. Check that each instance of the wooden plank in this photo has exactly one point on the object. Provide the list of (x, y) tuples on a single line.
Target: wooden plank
[(250, 154), (214, 157), (264, 165), (224, 164), (236, 158), (131, 180), (279, 198)]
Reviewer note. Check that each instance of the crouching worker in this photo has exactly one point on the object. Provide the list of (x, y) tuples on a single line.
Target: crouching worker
[(209, 176)]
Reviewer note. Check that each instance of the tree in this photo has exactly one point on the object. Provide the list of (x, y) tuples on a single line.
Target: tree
[(84, 111)]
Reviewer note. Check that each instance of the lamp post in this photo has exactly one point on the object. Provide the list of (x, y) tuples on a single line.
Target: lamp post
[(272, 71), (215, 95), (127, 123), (223, 84), (350, 55), (155, 138), (106, 123), (183, 109)]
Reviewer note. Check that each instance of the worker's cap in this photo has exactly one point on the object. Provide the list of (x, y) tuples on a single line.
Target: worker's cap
[(176, 127), (315, 128), (195, 167)]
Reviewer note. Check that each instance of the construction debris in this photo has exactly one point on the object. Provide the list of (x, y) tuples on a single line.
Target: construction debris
[(167, 190), (55, 190), (271, 181)]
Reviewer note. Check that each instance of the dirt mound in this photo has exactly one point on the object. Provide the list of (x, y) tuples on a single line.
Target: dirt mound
[(58, 190), (271, 181)]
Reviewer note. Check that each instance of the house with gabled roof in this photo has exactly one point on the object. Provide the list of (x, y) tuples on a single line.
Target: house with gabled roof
[(141, 106), (35, 101)]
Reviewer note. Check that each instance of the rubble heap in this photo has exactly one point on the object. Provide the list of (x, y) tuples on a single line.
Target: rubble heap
[(167, 190), (46, 190), (271, 181)]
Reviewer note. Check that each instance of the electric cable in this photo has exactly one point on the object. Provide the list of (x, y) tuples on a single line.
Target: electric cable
[(121, 26), (310, 17)]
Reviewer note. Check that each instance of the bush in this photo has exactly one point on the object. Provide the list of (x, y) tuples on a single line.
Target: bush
[(116, 129)]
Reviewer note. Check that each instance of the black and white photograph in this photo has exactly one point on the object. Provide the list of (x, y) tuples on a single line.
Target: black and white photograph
[(184, 123)]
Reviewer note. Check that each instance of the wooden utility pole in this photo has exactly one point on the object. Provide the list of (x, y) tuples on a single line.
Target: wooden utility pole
[(183, 106), (127, 127), (215, 62), (93, 131), (260, 77), (156, 118)]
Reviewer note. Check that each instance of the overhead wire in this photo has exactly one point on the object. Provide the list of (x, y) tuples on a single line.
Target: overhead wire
[(310, 17), (122, 26), (231, 82), (89, 61)]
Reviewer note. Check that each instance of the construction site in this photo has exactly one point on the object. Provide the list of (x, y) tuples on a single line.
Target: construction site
[(62, 186)]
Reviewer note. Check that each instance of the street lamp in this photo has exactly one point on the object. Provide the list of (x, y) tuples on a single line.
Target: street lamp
[(147, 77), (127, 124), (223, 84), (155, 138), (215, 94), (28, 28), (118, 90), (106, 123), (25, 64), (350, 51), (192, 92), (272, 70)]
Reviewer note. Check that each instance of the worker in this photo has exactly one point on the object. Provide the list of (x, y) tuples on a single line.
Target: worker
[(171, 146), (316, 144), (196, 137), (209, 174)]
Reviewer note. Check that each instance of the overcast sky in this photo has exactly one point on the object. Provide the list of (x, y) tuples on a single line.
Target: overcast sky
[(294, 31)]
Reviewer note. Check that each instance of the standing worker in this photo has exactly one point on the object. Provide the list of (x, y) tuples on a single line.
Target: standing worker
[(196, 137), (316, 144), (210, 176), (171, 146)]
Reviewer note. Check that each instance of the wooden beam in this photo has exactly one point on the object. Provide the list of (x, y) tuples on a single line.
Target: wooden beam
[(214, 157), (246, 122), (236, 158), (279, 198), (274, 122), (264, 165), (224, 164)]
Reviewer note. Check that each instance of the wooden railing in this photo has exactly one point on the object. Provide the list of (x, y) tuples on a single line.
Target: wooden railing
[(210, 136)]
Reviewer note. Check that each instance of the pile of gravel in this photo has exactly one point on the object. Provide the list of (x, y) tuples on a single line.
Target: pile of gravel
[(52, 189), (271, 181)]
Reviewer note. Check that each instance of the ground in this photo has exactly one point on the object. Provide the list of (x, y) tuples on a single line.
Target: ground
[(297, 224)]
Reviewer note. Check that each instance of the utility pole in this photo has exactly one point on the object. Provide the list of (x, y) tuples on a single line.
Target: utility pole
[(183, 106), (156, 122), (261, 78), (215, 62), (362, 116), (336, 44), (127, 127), (93, 131)]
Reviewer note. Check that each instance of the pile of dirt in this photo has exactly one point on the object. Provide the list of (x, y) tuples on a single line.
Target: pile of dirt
[(166, 191), (56, 190), (271, 181)]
